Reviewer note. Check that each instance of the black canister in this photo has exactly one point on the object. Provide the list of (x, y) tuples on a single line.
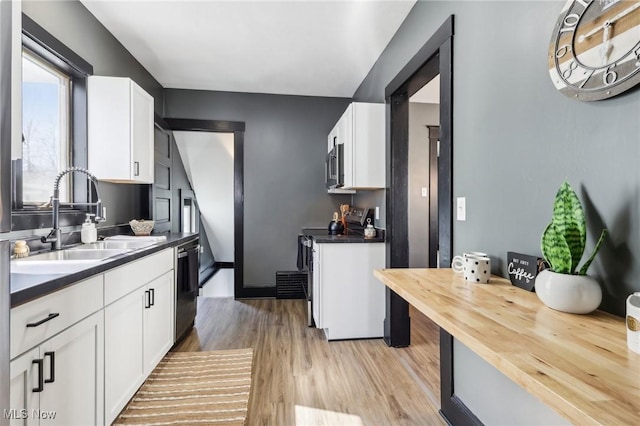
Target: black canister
[(335, 226)]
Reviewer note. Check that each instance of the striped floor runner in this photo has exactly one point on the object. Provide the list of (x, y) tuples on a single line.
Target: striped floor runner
[(194, 388)]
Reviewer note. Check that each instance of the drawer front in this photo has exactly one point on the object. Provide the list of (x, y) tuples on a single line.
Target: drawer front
[(36, 321), (127, 278)]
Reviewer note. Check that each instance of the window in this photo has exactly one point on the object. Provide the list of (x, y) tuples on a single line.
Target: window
[(54, 130), (46, 114)]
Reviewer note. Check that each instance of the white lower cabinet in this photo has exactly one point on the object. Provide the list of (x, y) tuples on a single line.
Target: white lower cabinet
[(348, 302), (138, 333), (60, 382), (79, 354), (158, 321), (123, 334), (24, 378), (316, 288)]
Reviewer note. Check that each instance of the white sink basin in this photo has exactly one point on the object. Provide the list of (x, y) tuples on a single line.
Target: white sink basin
[(148, 238), (49, 267), (90, 253), (114, 245), (62, 261), (80, 257)]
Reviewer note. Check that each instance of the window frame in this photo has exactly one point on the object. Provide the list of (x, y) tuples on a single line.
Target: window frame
[(18, 201), (44, 45)]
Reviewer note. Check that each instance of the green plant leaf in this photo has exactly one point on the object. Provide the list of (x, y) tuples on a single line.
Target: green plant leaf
[(583, 270), (556, 250), (569, 221)]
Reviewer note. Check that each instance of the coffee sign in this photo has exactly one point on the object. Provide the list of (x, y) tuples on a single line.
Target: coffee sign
[(523, 269)]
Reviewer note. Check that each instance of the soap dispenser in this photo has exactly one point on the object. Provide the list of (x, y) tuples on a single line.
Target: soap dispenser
[(89, 233)]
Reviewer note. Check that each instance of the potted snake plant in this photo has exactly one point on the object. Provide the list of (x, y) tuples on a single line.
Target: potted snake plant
[(564, 287)]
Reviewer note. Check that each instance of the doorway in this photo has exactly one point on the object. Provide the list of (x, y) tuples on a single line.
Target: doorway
[(208, 162), (237, 129), (434, 58), (424, 135)]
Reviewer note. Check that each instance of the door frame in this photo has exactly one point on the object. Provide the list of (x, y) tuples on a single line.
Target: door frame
[(434, 137), (434, 57), (238, 129)]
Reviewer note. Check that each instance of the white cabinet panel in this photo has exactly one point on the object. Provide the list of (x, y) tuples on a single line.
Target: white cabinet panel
[(141, 134), (120, 130), (361, 130), (24, 378), (139, 328), (53, 313), (317, 288), (124, 372), (350, 302), (71, 377), (126, 278), (75, 360), (159, 322)]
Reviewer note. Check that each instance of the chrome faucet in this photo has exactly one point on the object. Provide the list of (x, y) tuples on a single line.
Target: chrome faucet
[(54, 236)]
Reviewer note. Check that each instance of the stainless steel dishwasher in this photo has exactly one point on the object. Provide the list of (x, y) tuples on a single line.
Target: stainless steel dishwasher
[(187, 286)]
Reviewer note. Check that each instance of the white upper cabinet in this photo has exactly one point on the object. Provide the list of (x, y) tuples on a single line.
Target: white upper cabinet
[(120, 130), (361, 131)]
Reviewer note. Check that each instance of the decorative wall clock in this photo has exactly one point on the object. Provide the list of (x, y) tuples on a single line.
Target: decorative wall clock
[(594, 52)]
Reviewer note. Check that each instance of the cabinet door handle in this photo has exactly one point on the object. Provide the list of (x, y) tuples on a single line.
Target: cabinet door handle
[(147, 299), (52, 366), (40, 363), (136, 168), (152, 297), (42, 321)]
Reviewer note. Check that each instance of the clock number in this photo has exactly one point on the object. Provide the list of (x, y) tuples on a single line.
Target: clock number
[(586, 79), (572, 67), (637, 53), (562, 51), (570, 21), (609, 77)]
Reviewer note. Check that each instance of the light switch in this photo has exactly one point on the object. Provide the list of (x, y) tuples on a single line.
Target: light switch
[(423, 191), (461, 209)]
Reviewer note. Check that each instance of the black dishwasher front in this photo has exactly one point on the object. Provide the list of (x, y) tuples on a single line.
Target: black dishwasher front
[(187, 287)]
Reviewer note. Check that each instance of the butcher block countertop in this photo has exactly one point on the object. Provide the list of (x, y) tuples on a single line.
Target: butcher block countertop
[(579, 365)]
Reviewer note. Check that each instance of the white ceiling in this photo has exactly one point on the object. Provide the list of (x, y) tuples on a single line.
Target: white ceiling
[(315, 48)]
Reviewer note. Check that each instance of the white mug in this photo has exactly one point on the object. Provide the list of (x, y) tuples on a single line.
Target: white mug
[(458, 261), (633, 322), (477, 269)]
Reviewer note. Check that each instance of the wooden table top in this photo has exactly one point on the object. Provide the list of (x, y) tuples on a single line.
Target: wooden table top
[(579, 365)]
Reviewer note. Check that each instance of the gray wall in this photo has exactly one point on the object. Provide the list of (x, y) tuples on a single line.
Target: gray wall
[(72, 24), (284, 149), (494, 398), (516, 139), (420, 116)]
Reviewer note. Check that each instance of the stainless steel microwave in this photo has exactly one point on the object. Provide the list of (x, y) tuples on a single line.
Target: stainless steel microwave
[(334, 167)]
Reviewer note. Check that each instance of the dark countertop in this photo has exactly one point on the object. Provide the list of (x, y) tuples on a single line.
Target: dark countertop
[(321, 236), (27, 287)]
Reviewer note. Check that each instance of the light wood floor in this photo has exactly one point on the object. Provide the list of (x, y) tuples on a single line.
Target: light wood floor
[(301, 379)]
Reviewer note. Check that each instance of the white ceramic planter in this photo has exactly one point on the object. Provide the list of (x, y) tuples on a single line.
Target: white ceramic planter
[(575, 294)]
